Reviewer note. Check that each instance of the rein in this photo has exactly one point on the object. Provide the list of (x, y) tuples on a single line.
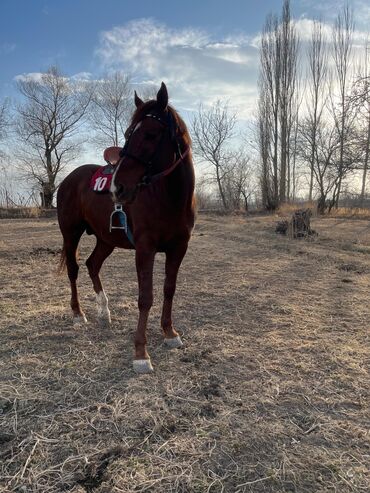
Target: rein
[(171, 168)]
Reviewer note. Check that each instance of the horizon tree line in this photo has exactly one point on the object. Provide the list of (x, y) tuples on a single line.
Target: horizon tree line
[(328, 136), (311, 131)]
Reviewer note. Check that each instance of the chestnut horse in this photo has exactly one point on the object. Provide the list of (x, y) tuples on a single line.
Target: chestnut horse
[(154, 183)]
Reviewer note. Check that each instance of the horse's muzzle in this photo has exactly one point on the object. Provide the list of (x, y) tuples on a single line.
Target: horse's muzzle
[(124, 195)]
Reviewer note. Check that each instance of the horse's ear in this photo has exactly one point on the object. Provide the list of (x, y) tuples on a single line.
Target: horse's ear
[(138, 102), (162, 96)]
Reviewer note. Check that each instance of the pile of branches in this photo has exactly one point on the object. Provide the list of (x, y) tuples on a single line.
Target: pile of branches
[(299, 226)]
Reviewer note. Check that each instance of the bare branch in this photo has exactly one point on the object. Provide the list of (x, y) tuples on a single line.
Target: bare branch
[(47, 122), (111, 109), (213, 130)]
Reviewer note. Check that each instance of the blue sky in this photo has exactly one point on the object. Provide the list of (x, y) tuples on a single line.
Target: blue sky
[(34, 33), (203, 49), (37, 33), (209, 42)]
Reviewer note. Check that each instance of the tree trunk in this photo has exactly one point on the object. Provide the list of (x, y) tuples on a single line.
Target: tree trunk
[(339, 188), (48, 200), (366, 162), (337, 193), (220, 189), (245, 197), (283, 162), (47, 196), (48, 188), (275, 162)]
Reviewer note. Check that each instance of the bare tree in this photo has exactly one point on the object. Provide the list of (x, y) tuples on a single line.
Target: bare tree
[(46, 127), (4, 118), (316, 80), (203, 193), (238, 183), (264, 136), (361, 99), (325, 145), (111, 108), (4, 123), (212, 131), (278, 104), (329, 135), (329, 171), (342, 47), (293, 175), (287, 111), (269, 86), (366, 141)]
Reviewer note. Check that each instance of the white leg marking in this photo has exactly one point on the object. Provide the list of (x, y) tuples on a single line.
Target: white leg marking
[(142, 366), (174, 343), (79, 320), (102, 305)]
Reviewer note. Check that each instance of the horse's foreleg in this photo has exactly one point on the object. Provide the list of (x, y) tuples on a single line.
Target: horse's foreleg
[(173, 261), (144, 268), (94, 263)]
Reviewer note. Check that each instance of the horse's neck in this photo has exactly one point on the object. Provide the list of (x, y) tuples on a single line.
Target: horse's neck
[(179, 187)]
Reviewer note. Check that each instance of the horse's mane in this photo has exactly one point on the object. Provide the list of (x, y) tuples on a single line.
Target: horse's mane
[(151, 105)]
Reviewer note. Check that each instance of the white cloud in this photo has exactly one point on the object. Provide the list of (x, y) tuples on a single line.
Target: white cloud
[(305, 26), (82, 76), (304, 29), (331, 8), (33, 76), (195, 66), (37, 77)]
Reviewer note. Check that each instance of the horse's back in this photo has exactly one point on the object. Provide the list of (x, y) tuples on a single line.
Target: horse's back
[(71, 192), (78, 177)]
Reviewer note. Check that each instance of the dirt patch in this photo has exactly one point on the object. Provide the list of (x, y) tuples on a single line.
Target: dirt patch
[(269, 394)]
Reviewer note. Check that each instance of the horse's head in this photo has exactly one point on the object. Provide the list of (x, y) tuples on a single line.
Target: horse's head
[(149, 146)]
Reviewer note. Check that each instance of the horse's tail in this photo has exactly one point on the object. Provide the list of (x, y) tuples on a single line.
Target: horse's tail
[(62, 261)]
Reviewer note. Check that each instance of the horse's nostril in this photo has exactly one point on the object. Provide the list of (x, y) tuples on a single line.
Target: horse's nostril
[(120, 189)]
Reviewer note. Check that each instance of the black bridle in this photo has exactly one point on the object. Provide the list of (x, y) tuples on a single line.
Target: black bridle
[(148, 178), (170, 125)]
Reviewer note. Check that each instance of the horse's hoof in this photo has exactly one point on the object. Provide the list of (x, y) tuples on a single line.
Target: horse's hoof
[(142, 366), (104, 321), (174, 342), (79, 320)]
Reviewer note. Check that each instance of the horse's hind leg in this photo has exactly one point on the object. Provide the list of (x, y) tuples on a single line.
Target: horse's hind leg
[(70, 251), (94, 262)]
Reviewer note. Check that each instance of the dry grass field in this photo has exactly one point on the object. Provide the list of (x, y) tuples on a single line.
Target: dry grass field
[(269, 394)]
